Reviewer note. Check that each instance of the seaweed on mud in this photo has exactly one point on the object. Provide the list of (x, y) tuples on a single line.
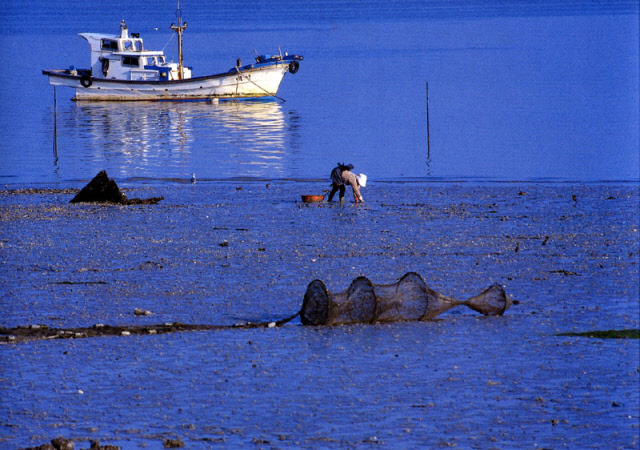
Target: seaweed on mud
[(607, 334)]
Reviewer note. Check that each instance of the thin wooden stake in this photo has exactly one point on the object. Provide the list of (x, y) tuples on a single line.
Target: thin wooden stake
[(428, 139), (55, 125)]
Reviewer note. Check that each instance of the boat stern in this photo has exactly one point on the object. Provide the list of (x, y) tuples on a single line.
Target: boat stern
[(71, 77)]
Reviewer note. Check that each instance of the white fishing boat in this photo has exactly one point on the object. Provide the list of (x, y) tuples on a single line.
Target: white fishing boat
[(122, 69)]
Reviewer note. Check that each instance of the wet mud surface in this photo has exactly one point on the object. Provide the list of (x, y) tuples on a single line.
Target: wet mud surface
[(215, 254)]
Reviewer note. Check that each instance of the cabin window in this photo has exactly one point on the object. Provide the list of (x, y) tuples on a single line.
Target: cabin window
[(131, 61), (135, 46), (108, 44)]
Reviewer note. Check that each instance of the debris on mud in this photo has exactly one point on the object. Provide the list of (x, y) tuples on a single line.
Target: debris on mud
[(61, 443), (103, 189), (42, 332), (37, 191), (565, 272)]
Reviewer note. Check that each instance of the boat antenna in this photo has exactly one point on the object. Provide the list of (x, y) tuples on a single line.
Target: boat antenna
[(179, 29)]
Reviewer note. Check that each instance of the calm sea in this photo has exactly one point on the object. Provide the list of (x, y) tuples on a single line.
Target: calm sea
[(518, 90)]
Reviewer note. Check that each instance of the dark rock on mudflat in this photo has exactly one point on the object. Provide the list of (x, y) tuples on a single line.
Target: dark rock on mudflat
[(173, 443), (103, 189), (61, 443), (95, 445)]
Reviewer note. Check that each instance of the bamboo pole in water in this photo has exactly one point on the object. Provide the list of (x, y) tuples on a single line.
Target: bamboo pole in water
[(428, 140), (55, 125)]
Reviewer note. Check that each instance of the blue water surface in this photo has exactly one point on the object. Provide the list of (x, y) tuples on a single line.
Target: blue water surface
[(516, 90)]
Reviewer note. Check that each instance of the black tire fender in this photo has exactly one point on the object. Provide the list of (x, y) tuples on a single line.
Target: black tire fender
[(294, 66), (105, 67), (86, 81)]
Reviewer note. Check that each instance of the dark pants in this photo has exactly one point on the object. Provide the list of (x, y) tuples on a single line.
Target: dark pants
[(334, 189)]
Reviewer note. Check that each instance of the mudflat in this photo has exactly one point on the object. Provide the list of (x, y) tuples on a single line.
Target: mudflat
[(223, 253)]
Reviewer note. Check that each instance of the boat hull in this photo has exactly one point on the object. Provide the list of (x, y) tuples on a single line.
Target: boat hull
[(245, 82)]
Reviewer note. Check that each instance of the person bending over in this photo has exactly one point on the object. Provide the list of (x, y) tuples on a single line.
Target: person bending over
[(341, 175)]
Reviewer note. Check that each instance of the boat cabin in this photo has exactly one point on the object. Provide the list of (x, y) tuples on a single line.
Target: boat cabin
[(124, 58)]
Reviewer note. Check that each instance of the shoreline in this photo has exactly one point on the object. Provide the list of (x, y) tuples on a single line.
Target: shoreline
[(139, 183)]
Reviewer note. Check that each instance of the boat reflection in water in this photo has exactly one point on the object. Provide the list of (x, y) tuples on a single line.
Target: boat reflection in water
[(216, 140)]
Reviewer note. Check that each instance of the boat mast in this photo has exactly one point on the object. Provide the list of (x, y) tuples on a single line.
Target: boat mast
[(179, 29)]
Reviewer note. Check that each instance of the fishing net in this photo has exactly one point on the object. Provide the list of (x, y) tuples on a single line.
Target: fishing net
[(408, 299)]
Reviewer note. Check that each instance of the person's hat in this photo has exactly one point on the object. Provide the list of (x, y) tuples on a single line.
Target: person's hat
[(362, 179)]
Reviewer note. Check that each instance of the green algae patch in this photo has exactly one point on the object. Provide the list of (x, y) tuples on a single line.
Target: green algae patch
[(607, 334)]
